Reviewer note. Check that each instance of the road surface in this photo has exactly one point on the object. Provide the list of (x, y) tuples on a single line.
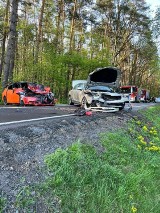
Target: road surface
[(15, 114)]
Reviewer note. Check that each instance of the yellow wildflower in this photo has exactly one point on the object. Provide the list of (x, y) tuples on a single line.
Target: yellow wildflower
[(143, 142), (155, 132), (154, 148), (140, 137), (145, 128), (138, 122), (151, 143), (133, 209)]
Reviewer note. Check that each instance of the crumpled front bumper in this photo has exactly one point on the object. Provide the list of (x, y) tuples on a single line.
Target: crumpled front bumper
[(34, 101)]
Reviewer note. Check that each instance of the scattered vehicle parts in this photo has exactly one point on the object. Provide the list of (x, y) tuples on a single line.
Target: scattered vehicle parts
[(27, 93)]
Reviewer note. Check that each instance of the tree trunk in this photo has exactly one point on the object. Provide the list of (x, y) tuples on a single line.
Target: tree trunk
[(5, 32), (10, 53), (39, 34), (59, 37), (72, 26)]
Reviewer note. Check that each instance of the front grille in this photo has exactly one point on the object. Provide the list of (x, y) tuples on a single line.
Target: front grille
[(110, 98)]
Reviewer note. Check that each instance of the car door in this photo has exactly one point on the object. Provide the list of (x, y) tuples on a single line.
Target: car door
[(9, 92), (78, 93), (12, 96)]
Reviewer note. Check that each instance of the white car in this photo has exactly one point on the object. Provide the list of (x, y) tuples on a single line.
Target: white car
[(97, 90), (157, 100)]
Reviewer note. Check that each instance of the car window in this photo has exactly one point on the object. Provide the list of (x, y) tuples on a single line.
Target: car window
[(134, 89), (125, 90), (16, 85), (10, 86), (79, 86), (24, 85)]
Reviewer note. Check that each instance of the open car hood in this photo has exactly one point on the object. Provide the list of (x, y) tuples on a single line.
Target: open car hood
[(108, 76)]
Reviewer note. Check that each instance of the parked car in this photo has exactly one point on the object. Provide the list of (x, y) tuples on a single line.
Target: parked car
[(27, 93), (157, 100), (98, 89)]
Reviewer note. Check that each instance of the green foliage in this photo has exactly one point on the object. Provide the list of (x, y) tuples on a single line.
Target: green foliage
[(2, 204), (153, 115), (1, 95), (122, 178)]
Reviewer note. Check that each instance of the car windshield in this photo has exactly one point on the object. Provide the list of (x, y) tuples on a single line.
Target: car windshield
[(80, 86), (100, 88), (125, 90)]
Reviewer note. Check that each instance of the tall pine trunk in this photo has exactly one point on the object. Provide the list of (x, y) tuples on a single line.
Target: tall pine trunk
[(39, 34), (11, 47), (5, 33)]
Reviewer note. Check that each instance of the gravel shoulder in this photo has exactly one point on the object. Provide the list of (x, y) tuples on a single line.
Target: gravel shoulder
[(23, 148)]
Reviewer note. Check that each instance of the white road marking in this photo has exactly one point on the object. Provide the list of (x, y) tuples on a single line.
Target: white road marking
[(26, 107), (13, 107), (36, 119)]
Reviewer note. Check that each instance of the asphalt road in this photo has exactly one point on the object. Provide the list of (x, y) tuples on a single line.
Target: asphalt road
[(15, 114)]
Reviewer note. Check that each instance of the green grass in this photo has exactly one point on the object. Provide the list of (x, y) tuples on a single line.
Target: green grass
[(124, 178)]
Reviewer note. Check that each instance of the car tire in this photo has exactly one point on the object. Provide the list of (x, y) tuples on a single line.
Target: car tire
[(5, 100), (122, 107), (21, 103), (70, 102)]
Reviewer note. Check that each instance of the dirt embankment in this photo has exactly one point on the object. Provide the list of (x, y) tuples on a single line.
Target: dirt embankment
[(22, 149)]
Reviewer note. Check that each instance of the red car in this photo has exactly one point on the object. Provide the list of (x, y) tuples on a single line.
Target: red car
[(26, 93)]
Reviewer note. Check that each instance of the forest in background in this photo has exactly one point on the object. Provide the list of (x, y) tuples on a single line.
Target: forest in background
[(56, 41)]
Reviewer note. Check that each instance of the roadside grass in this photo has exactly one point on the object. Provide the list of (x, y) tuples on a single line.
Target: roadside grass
[(2, 203), (124, 177)]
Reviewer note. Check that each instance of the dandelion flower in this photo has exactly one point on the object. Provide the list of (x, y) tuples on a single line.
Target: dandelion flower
[(144, 128), (134, 209)]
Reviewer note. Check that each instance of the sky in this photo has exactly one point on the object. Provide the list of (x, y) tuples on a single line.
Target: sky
[(153, 4)]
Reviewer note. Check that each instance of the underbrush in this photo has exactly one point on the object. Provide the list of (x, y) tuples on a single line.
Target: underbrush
[(124, 177)]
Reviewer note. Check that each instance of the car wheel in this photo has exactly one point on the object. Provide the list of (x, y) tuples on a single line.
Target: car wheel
[(84, 103), (21, 103), (70, 102), (122, 107), (136, 100), (5, 100)]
